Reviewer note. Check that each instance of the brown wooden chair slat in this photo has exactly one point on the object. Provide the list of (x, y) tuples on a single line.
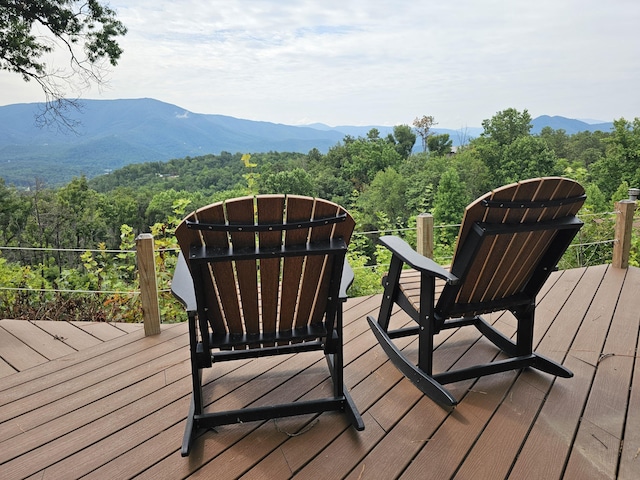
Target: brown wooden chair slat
[(258, 276), (509, 242)]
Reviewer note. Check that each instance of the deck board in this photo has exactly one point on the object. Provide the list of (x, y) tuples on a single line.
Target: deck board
[(16, 354), (114, 407)]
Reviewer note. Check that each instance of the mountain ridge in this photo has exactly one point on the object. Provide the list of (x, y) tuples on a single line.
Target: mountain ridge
[(114, 133)]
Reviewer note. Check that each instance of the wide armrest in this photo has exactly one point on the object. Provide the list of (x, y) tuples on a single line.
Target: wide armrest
[(408, 255), (346, 280), (182, 285)]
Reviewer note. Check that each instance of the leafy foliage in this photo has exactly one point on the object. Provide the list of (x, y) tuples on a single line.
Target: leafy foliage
[(90, 24), (450, 202), (82, 236)]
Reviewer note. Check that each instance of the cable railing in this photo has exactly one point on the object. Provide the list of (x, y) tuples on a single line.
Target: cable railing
[(371, 233), (580, 253)]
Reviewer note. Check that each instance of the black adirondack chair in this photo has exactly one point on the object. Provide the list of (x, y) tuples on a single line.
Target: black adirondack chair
[(262, 276), (510, 241)]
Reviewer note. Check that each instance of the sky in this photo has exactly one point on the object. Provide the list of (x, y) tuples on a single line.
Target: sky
[(375, 62)]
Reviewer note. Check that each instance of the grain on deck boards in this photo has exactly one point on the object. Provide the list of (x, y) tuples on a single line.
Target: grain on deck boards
[(512, 425), (25, 344)]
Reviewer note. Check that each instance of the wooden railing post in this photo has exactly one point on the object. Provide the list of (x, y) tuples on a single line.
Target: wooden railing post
[(424, 242), (624, 224), (148, 283)]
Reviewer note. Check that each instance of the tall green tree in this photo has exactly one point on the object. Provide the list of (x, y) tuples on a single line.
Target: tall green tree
[(621, 162), (86, 31), (404, 139), (81, 207), (15, 209), (558, 141), (506, 126), (587, 147), (527, 157), (385, 195), (473, 172), (440, 144), (358, 160), (450, 201), (296, 182), (506, 141)]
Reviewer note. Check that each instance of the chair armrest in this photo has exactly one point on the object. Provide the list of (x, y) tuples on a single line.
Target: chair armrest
[(346, 280), (408, 255), (182, 285)]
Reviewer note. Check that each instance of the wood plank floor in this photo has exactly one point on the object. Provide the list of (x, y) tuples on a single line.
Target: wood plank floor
[(27, 344), (85, 407)]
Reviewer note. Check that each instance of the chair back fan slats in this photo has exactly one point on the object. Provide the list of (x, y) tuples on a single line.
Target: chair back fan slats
[(209, 304), (313, 284), (241, 212), (511, 229), (298, 210), (264, 293), (270, 212), (267, 276)]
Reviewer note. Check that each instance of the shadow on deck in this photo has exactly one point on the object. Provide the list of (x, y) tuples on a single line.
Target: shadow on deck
[(115, 407)]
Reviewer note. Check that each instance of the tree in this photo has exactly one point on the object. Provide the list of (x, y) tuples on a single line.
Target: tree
[(504, 127), (404, 140), (358, 160), (386, 195), (558, 140), (440, 144), (621, 162), (473, 172), (295, 182), (450, 201), (14, 211), (80, 207), (526, 157), (505, 142), (423, 128), (86, 30)]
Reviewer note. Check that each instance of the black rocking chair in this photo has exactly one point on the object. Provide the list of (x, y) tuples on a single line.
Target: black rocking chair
[(261, 276), (510, 241)]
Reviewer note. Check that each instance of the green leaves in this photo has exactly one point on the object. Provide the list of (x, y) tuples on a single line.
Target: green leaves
[(86, 31)]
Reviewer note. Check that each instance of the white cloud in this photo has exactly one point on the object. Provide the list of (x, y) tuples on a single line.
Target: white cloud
[(378, 61)]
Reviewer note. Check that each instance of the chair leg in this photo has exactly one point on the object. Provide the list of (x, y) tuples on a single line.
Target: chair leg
[(340, 391), (524, 345), (525, 317), (195, 408), (391, 289), (352, 411), (189, 430)]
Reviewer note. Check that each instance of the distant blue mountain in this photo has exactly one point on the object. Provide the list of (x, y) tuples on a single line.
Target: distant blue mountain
[(570, 126), (114, 133)]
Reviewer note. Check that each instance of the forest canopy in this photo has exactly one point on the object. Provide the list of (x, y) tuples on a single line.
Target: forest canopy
[(377, 178)]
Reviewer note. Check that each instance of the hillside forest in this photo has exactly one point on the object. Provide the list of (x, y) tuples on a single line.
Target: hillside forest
[(58, 246)]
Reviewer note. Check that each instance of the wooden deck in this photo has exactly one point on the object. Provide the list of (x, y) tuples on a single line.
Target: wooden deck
[(86, 406)]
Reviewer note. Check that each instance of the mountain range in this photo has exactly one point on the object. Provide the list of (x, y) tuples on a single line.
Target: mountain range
[(114, 133)]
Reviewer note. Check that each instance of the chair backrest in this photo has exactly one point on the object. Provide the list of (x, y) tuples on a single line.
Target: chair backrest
[(509, 242), (265, 265)]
